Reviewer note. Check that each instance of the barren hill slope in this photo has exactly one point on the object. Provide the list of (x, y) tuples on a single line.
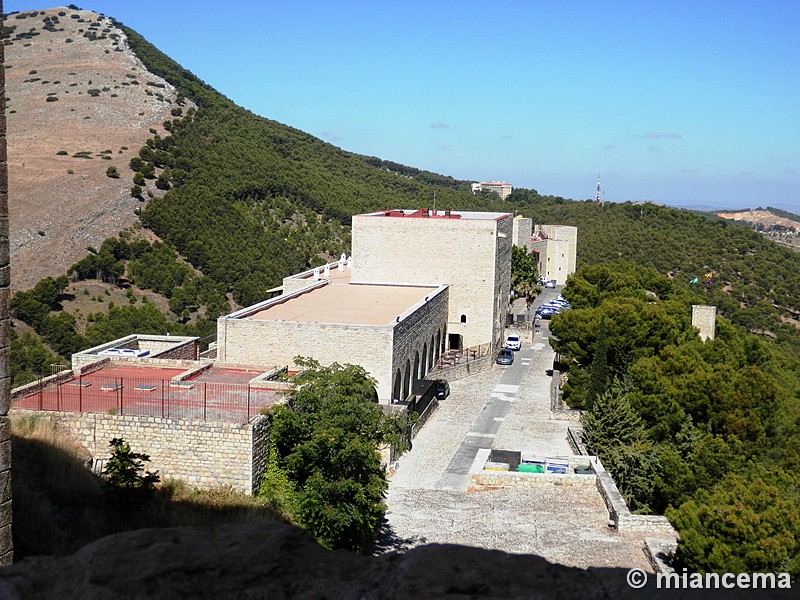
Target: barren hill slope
[(779, 229), (79, 102)]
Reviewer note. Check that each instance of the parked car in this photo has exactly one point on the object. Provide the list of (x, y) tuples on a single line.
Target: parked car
[(442, 389), (546, 313), (550, 283), (505, 357), (513, 342)]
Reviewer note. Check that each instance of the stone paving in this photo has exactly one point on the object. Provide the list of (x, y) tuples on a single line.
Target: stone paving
[(563, 523)]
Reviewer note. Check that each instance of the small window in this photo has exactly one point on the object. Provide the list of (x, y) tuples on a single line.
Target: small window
[(463, 318)]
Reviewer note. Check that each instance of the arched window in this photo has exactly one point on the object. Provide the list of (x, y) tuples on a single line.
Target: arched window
[(396, 388), (463, 318)]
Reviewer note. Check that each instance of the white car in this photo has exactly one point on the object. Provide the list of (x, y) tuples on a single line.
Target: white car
[(513, 342)]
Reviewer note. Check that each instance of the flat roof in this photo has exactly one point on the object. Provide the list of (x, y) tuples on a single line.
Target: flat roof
[(425, 213), (353, 304)]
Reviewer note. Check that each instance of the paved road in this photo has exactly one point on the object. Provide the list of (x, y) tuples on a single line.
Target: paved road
[(488, 423), (505, 408)]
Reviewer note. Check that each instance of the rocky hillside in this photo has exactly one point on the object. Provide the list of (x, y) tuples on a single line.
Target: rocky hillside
[(79, 102), (778, 228)]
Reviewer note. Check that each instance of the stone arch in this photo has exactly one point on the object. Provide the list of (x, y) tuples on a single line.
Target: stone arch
[(438, 344), (424, 369), (406, 380), (431, 351), (397, 386), (416, 367)]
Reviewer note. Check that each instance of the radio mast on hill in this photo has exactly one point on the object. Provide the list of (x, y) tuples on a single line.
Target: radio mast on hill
[(598, 198)]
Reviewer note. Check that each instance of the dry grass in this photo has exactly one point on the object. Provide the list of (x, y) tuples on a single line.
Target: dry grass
[(60, 505)]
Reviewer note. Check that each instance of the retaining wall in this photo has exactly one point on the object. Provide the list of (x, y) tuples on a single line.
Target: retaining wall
[(203, 454), (461, 370), (618, 510)]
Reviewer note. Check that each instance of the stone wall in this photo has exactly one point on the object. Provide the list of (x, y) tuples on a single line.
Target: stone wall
[(259, 451), (619, 512), (161, 347), (271, 343), (523, 230), (526, 480), (6, 543), (460, 370), (188, 350), (203, 454), (502, 280), (417, 342)]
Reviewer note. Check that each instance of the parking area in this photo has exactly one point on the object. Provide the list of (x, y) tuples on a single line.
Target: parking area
[(504, 408)]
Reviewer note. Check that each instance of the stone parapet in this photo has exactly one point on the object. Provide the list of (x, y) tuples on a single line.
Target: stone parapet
[(496, 479)]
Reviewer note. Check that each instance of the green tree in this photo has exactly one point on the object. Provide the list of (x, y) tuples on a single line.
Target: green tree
[(324, 469), (124, 470), (744, 524), (599, 371), (524, 274), (616, 433)]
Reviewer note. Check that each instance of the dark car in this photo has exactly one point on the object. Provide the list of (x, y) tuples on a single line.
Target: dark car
[(442, 389), (505, 357), (546, 313)]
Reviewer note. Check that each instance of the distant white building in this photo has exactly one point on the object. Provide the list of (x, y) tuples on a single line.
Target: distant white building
[(501, 188)]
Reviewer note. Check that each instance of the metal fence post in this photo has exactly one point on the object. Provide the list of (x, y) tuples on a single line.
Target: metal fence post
[(162, 398), (205, 399)]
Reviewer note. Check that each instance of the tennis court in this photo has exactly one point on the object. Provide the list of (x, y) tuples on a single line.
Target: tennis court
[(151, 391)]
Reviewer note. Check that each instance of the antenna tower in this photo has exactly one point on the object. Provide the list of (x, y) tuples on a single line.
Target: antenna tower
[(598, 198)]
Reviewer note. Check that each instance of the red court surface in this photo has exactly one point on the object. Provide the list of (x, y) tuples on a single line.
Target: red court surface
[(149, 391), (225, 375)]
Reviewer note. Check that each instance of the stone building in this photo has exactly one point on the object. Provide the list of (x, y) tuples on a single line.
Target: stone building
[(523, 231), (395, 332), (556, 247), (468, 251), (420, 282)]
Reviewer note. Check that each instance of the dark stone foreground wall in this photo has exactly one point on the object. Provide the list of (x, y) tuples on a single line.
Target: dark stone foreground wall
[(276, 561)]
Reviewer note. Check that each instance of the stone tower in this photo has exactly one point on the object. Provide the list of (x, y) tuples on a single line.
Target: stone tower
[(6, 545), (704, 318)]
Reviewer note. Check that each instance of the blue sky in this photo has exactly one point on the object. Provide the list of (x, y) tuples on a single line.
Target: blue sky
[(687, 103)]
